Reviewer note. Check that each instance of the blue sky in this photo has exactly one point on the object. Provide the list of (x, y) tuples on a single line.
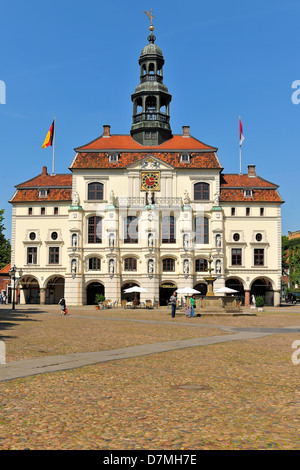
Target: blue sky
[(79, 61)]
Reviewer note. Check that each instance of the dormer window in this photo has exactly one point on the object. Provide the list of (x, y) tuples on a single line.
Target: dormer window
[(248, 193), (43, 192), (185, 158), (113, 158)]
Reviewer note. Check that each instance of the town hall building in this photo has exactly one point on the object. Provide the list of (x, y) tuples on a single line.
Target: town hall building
[(150, 208)]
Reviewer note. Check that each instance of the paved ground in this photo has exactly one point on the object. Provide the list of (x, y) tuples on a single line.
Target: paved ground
[(138, 379)]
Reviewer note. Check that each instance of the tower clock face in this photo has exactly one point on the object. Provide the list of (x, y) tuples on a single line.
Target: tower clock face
[(150, 180)]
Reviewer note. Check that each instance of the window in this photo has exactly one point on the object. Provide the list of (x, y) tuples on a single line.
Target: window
[(131, 229), (95, 192), (185, 158), (248, 193), (247, 211), (55, 210), (130, 264), (150, 135), (43, 211), (236, 237), (94, 264), (258, 237), (43, 193), (201, 265), (233, 211), (32, 255), (168, 229), (236, 257), (259, 257), (201, 230), (53, 255), (54, 235), (95, 229), (113, 158), (32, 236), (168, 264), (201, 191), (29, 210), (262, 211)]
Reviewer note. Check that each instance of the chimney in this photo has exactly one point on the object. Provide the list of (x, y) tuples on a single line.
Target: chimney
[(44, 172), (185, 131), (251, 170), (106, 130)]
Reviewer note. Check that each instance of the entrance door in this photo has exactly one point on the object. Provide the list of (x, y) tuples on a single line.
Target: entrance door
[(165, 292)]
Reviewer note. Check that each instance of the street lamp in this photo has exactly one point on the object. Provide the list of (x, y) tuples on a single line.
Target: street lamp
[(12, 273)]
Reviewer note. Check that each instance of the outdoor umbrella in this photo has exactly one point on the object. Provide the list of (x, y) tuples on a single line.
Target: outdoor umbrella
[(135, 289), (225, 290), (187, 291)]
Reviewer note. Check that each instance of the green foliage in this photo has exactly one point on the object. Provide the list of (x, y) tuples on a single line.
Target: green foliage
[(259, 302), (99, 298), (5, 247)]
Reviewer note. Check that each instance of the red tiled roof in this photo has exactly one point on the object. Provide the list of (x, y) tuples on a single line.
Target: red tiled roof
[(32, 195), (101, 160), (6, 269), (244, 181), (47, 181), (126, 142), (258, 195)]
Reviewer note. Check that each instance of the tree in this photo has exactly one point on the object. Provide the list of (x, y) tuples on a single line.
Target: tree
[(5, 246)]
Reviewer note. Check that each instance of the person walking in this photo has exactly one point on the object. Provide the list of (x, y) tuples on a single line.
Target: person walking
[(62, 304), (173, 300), (193, 305)]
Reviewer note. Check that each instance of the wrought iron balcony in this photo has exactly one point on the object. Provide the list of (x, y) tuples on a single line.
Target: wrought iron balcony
[(151, 78), (153, 116)]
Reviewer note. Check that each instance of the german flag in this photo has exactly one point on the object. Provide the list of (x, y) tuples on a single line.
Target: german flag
[(49, 137)]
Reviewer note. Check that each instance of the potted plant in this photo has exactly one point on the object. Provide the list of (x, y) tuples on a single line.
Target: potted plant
[(259, 302), (99, 299)]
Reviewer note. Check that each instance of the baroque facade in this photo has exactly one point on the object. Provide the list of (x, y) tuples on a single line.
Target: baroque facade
[(150, 208)]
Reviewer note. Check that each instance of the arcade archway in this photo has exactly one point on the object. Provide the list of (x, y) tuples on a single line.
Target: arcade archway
[(130, 296), (262, 287), (55, 288), (28, 291), (92, 289), (236, 284), (201, 287)]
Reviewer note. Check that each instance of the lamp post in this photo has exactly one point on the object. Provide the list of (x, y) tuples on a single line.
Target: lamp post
[(12, 273)]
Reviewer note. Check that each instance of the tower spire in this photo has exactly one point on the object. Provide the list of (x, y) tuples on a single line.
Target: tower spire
[(151, 99)]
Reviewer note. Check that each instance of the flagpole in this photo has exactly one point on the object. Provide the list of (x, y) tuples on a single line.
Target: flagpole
[(240, 159), (53, 148)]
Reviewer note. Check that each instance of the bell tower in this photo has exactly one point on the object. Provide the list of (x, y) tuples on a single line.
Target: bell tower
[(151, 99)]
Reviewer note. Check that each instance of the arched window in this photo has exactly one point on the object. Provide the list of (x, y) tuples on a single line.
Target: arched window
[(168, 229), (131, 234), (130, 264), (201, 230), (201, 192), (94, 264), (201, 265), (95, 229), (168, 265), (95, 192)]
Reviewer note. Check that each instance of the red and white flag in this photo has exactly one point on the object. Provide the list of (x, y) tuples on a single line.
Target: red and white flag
[(242, 138)]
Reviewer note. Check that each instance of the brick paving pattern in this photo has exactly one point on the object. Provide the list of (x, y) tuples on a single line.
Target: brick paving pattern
[(232, 395)]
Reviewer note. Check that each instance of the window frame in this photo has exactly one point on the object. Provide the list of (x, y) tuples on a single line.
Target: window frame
[(168, 229), (236, 256), (199, 262), (130, 264), (202, 238), (131, 229), (92, 224), (93, 189), (54, 255), (168, 263), (259, 256), (33, 254), (201, 191), (92, 260)]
